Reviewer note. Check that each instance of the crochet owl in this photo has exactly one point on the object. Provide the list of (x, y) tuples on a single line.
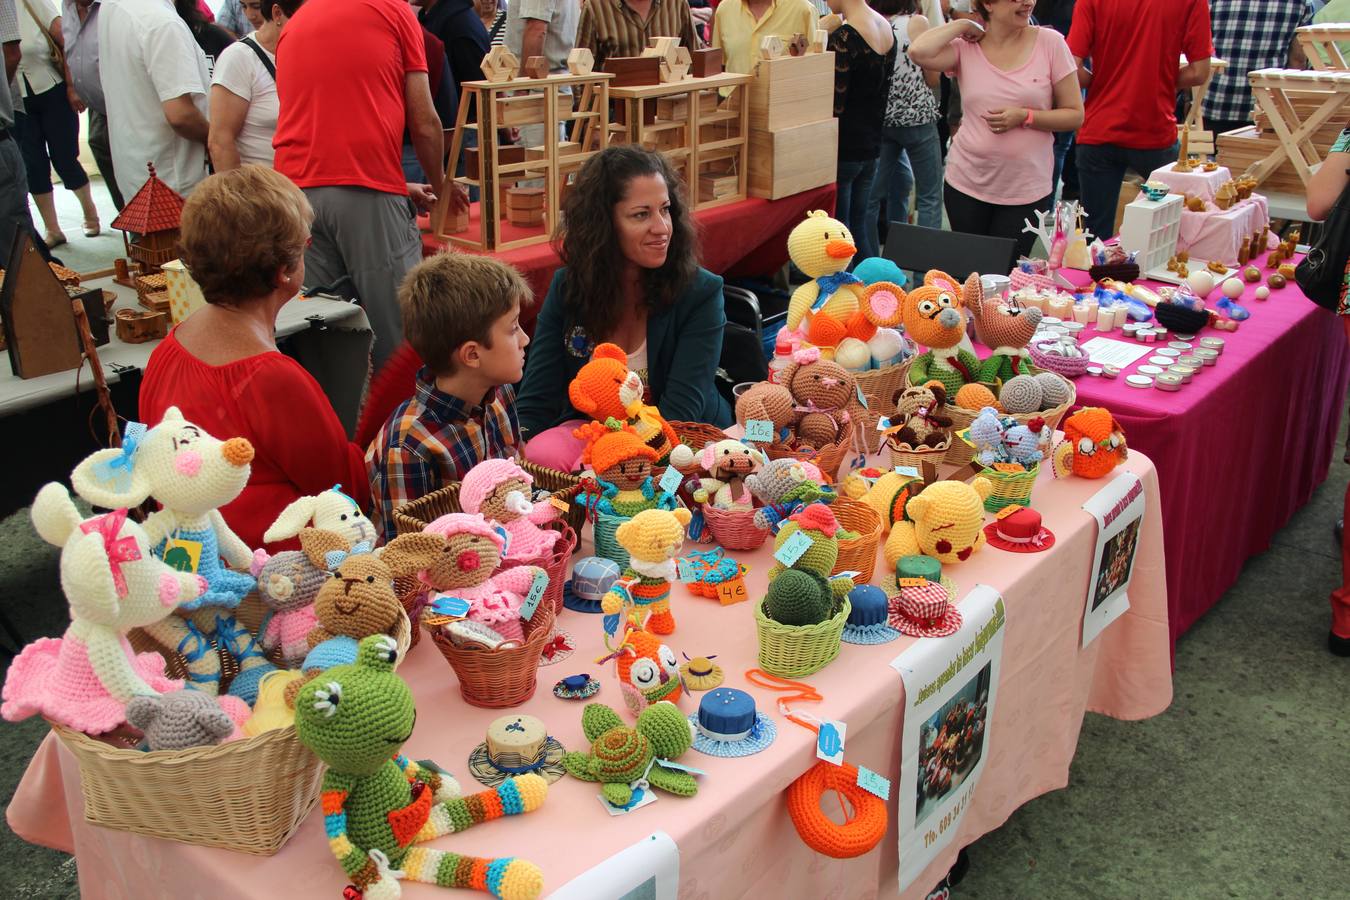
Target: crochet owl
[(648, 670)]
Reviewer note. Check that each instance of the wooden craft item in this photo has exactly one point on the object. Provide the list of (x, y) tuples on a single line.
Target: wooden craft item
[(633, 71), (716, 186), (91, 300), (580, 61), (64, 275), (139, 326), (793, 159), (500, 65), (663, 47), (1321, 44), (456, 221), (676, 66), (535, 67), (1272, 90), (792, 91), (798, 45), (705, 63), (152, 216), (820, 41), (40, 332), (772, 47), (525, 198)]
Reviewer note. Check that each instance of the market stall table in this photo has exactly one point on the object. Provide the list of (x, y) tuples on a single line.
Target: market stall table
[(735, 837)]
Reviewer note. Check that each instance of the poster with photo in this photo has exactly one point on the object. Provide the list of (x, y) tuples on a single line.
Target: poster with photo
[(1119, 511), (951, 685), (647, 870)]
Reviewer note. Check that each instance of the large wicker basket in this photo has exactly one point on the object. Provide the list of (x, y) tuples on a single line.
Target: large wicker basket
[(915, 457), (879, 387), (734, 529), (795, 651), (496, 679), (962, 453), (857, 554), (415, 515)]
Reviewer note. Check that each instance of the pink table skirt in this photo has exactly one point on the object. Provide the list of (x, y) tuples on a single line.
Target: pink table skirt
[(735, 838), (1217, 235), (1242, 446)]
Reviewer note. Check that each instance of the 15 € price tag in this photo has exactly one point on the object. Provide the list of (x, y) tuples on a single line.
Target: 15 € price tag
[(537, 588), (558, 504), (873, 783), (792, 549), (732, 591)]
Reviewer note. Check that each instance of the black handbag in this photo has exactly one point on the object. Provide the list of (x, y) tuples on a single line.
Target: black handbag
[(1321, 274)]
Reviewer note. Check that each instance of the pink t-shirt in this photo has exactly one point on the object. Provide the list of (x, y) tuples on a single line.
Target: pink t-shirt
[(1014, 167)]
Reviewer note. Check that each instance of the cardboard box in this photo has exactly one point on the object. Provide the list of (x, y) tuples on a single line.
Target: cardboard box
[(185, 296), (794, 159), (791, 91)]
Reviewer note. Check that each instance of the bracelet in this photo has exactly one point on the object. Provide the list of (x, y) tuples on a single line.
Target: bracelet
[(1031, 118)]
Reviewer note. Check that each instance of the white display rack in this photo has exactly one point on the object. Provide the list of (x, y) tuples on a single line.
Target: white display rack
[(1151, 228)]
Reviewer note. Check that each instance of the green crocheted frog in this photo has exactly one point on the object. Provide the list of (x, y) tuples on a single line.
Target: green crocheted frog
[(377, 803), (621, 756)]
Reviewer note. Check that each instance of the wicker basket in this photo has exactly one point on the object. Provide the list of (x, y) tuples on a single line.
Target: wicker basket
[(917, 456), (962, 453), (734, 529), (828, 459), (555, 564), (694, 435), (607, 538), (1009, 487), (859, 554), (497, 679), (1067, 366), (416, 515), (879, 387), (248, 795), (795, 651)]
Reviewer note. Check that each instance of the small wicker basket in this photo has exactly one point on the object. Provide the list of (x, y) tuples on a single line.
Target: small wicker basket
[(496, 679), (879, 387), (607, 538), (734, 529), (904, 455), (416, 515), (828, 459), (1009, 487), (962, 453), (795, 651), (858, 554)]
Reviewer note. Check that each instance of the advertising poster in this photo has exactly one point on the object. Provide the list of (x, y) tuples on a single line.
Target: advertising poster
[(1119, 511), (647, 870)]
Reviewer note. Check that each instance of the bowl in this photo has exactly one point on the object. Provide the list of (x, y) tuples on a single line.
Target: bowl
[(1154, 191)]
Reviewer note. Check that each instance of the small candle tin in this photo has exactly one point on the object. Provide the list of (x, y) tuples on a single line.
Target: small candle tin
[(1173, 352), (1150, 370), (1212, 343), (1163, 361), (1110, 371), (1185, 372), (1094, 371), (1147, 335), (1047, 321), (1130, 329), (1168, 382), (1139, 381), (1107, 318), (1073, 328), (1184, 337), (1179, 345), (1207, 356), (1191, 360)]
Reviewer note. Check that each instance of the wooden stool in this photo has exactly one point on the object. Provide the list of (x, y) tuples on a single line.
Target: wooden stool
[(1272, 89), (1320, 45)]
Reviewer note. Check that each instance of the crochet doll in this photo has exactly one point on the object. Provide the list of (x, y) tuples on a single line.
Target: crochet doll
[(623, 468), (986, 435), (377, 803), (728, 463), (919, 419), (604, 389), (784, 487), (822, 390), (1005, 331), (330, 510), (945, 521), (112, 582), (817, 522), (621, 756), (500, 491), (653, 539), (933, 317), (468, 551), (288, 584)]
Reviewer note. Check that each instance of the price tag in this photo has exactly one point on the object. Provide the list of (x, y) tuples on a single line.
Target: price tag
[(792, 549), (911, 471), (830, 741), (183, 555), (449, 606), (759, 430), (688, 570), (560, 505), (671, 480), (671, 764), (861, 398), (849, 574), (641, 797), (732, 591), (873, 783), (883, 423), (537, 588)]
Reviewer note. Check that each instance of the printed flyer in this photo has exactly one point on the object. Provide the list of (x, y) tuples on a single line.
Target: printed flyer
[(647, 870), (1119, 511)]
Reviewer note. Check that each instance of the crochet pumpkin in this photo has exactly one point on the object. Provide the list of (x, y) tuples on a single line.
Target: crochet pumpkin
[(377, 803), (945, 521), (499, 490), (604, 388), (653, 538), (932, 315), (621, 756), (623, 468), (1093, 445), (1005, 330)]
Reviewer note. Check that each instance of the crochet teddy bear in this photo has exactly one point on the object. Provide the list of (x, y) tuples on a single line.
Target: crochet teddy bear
[(933, 317), (377, 803), (821, 390), (945, 521), (1005, 330), (604, 388), (653, 538), (817, 522), (287, 585), (919, 419), (621, 756), (623, 469), (113, 583), (728, 463), (183, 719), (329, 510), (783, 486), (648, 670), (768, 402), (467, 551), (1093, 445), (191, 474), (499, 490)]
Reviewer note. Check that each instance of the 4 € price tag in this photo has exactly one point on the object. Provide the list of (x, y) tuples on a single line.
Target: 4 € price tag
[(759, 430), (537, 588), (792, 549), (732, 591), (830, 741)]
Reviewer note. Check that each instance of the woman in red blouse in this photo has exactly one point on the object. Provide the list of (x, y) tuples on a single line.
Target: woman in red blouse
[(243, 238)]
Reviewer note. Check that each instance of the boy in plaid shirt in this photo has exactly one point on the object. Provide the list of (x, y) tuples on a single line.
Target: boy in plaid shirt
[(461, 313)]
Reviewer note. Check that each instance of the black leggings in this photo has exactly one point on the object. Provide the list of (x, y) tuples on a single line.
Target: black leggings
[(971, 216)]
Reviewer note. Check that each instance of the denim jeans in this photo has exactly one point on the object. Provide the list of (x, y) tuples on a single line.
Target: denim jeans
[(911, 158), (1101, 171), (1063, 144), (854, 186)]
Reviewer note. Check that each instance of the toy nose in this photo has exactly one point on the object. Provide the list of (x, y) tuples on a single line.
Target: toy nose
[(949, 318), (665, 676), (238, 452), (467, 561), (840, 249), (829, 382)]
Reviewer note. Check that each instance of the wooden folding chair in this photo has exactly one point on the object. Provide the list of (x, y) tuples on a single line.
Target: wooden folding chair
[(1274, 91), (1321, 44), (1191, 132)]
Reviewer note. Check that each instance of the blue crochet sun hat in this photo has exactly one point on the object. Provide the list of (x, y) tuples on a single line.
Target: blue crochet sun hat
[(728, 725), (867, 619), (592, 577)]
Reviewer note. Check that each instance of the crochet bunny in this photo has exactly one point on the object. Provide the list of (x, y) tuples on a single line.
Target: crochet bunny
[(784, 487), (192, 475), (653, 539), (113, 584), (467, 552), (727, 463), (330, 510), (604, 388), (377, 803), (500, 491), (822, 390), (288, 585)]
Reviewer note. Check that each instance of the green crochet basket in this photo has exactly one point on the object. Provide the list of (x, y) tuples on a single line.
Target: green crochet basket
[(1009, 487), (607, 540), (795, 651)]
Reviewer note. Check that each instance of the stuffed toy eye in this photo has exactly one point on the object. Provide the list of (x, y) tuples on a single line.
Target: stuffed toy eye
[(1115, 441), (927, 307), (668, 659), (644, 673), (945, 299), (1086, 447)]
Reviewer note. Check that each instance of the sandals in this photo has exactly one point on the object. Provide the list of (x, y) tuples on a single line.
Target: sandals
[(91, 228), (53, 239)]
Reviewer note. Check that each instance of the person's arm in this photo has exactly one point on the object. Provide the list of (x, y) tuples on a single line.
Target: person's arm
[(185, 119), (689, 36), (544, 388), (228, 111), (838, 45), (1328, 182), (933, 49), (698, 350), (918, 25), (1193, 74), (1084, 73), (12, 57), (424, 127), (1080, 40), (532, 39), (1198, 47)]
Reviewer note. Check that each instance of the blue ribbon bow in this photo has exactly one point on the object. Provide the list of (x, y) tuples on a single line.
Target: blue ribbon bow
[(334, 558), (830, 283), (117, 471)]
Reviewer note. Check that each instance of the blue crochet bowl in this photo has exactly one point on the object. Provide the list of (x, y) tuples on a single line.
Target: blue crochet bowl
[(1155, 192)]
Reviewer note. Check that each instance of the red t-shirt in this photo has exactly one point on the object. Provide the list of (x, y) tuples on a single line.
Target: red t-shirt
[(1135, 48), (340, 75), (299, 446)]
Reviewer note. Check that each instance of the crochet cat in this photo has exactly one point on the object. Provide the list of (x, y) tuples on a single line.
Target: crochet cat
[(500, 490)]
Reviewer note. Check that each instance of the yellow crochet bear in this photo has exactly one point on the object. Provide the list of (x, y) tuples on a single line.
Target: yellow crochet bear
[(653, 539), (945, 521)]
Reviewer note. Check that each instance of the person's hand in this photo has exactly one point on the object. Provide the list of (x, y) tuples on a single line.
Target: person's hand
[(459, 197), (973, 31), (421, 196), (75, 102), (1001, 120)]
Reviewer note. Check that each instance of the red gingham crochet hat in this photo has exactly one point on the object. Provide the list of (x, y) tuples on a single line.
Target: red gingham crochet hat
[(924, 611)]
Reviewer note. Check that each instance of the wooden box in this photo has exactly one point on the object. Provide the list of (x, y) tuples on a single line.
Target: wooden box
[(791, 91), (565, 148), (794, 159), (676, 109), (704, 63), (139, 326), (666, 139), (714, 186), (634, 71), (1241, 148), (39, 324)]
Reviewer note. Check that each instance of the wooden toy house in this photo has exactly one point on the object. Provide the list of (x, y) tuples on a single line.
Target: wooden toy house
[(149, 224)]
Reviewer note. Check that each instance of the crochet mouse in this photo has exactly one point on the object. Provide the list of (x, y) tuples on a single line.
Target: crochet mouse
[(1006, 330), (932, 315), (500, 490), (653, 539), (784, 487), (623, 469), (822, 390), (113, 584), (604, 388), (377, 803), (622, 756), (330, 510), (728, 463), (287, 585)]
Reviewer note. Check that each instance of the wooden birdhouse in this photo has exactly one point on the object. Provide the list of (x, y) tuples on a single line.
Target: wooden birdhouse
[(149, 224), (500, 65), (39, 321)]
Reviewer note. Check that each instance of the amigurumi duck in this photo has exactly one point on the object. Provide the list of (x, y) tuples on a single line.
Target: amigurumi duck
[(945, 521), (653, 538), (377, 803), (605, 388), (621, 756), (499, 490), (933, 317), (623, 469)]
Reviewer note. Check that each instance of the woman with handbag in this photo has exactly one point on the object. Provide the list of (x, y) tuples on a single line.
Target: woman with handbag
[(49, 126)]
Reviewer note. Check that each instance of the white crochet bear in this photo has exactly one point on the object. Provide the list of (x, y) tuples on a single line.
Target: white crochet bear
[(113, 584)]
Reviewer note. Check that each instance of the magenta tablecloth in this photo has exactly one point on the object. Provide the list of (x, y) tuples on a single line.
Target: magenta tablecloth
[(1242, 446)]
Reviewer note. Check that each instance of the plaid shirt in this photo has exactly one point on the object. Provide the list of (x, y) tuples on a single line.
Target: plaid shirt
[(431, 440), (1249, 36)]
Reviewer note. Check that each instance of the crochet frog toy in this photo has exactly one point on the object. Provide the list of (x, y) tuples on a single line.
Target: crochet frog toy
[(784, 487), (113, 584), (621, 756), (1005, 330), (648, 670), (604, 388), (728, 463), (932, 315), (499, 490), (378, 804), (945, 521), (623, 468), (653, 539)]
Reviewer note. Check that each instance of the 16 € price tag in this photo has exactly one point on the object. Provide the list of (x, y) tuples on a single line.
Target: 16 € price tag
[(759, 430)]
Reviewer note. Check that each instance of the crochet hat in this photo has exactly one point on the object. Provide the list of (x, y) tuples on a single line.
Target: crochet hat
[(701, 673), (867, 619), (481, 479), (557, 648), (924, 611), (727, 724), (516, 745), (467, 523), (612, 443), (592, 577), (1019, 529), (817, 517), (576, 687)]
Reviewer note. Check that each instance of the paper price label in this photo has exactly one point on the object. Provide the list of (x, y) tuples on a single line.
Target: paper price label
[(560, 505), (883, 423), (732, 591), (688, 571), (759, 430), (641, 797), (909, 471), (536, 594), (448, 606), (862, 399), (792, 549), (671, 480), (680, 767), (830, 741), (873, 783)]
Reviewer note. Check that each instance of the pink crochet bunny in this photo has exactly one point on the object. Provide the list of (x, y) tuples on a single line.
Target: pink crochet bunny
[(499, 490), (474, 550)]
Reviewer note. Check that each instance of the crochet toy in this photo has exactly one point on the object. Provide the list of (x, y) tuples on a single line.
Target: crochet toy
[(945, 521), (623, 469), (604, 388), (500, 490), (800, 597), (821, 390), (1022, 443), (817, 522), (467, 551), (653, 538), (919, 419), (191, 474), (728, 463), (621, 755), (330, 510), (287, 585), (933, 317), (1093, 445), (976, 397), (377, 803), (113, 584), (986, 436), (183, 719), (889, 494), (768, 402), (648, 670), (784, 487), (1006, 330), (863, 830)]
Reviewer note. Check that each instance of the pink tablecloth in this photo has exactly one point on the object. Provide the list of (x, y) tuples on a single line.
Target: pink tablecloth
[(735, 837), (1241, 447)]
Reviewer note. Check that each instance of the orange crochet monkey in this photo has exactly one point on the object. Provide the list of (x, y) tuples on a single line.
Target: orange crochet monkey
[(606, 389)]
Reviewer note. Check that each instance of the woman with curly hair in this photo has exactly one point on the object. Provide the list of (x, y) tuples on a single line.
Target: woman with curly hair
[(630, 277)]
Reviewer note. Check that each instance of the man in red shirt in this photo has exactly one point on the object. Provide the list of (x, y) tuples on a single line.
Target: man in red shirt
[(350, 75), (1128, 54)]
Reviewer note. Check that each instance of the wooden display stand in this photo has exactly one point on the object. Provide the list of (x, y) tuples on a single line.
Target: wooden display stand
[(1151, 228), (1275, 92), (794, 137), (496, 170), (1320, 45), (1195, 140)]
